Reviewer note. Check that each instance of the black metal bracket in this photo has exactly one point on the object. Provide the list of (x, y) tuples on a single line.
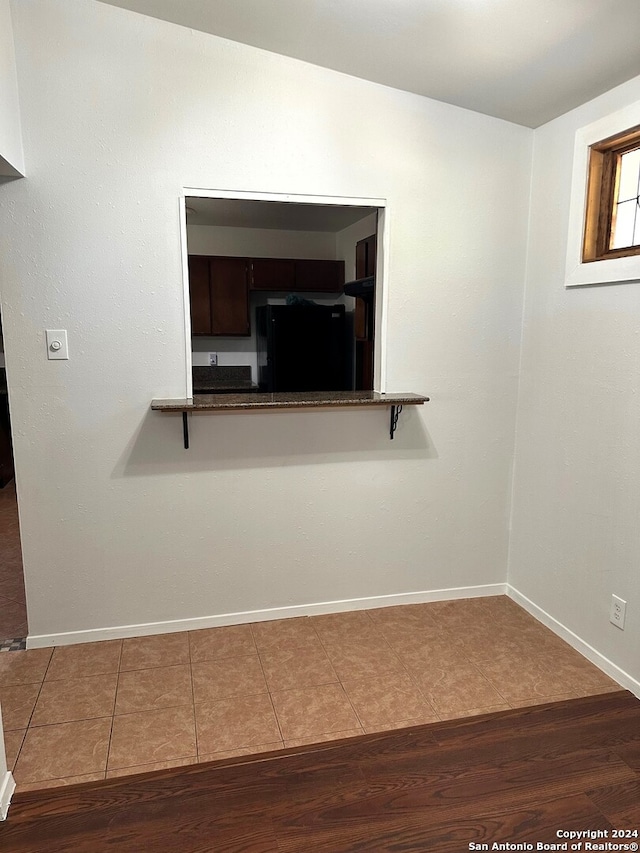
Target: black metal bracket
[(395, 414), (185, 430)]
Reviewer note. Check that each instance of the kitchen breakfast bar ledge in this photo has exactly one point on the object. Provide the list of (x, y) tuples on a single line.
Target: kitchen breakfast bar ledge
[(296, 401)]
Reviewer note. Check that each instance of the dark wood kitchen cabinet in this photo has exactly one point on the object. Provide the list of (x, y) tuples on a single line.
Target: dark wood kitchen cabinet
[(288, 275), (275, 274), (219, 287), (200, 295), (219, 292), (319, 276), (365, 267), (364, 315)]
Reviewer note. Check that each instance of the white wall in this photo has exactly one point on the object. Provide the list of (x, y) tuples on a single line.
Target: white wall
[(260, 242), (120, 524), (10, 146), (11, 156), (576, 537), (11, 163)]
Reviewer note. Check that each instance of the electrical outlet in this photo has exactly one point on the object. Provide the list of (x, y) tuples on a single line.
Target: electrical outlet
[(213, 359), (618, 612)]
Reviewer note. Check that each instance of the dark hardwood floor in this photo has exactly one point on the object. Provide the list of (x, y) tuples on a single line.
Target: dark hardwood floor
[(515, 776)]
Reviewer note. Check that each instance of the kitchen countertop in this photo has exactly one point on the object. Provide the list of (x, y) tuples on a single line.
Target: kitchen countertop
[(286, 400), (225, 388), (222, 380)]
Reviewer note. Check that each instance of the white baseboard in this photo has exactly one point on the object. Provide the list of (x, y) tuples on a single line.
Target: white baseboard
[(7, 787), (38, 641), (611, 669)]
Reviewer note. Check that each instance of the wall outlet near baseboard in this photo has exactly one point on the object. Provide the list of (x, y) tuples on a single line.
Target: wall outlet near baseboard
[(617, 612), (213, 359)]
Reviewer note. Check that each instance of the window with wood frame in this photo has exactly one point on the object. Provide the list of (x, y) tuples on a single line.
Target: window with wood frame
[(612, 221)]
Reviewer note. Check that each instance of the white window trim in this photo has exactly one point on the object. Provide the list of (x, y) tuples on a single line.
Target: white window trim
[(382, 262), (611, 270)]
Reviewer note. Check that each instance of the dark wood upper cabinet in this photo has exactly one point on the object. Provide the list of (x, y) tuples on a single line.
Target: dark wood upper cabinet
[(273, 274), (286, 275), (319, 276), (219, 293), (200, 294), (219, 287), (229, 296)]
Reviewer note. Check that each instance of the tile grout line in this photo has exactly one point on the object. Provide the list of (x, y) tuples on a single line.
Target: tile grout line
[(113, 715), (401, 663), (472, 663), (391, 649), (193, 698), (324, 648), (402, 668), (353, 708), (15, 763), (26, 731), (45, 787), (264, 675), (348, 698), (440, 629), (406, 669)]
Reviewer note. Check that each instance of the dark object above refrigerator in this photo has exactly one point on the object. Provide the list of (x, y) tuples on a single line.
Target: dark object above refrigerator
[(303, 348), (361, 287)]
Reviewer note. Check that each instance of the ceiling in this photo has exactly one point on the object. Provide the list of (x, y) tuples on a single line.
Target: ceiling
[(526, 61), (241, 213)]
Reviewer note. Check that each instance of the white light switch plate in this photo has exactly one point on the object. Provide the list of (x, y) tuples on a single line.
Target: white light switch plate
[(57, 346)]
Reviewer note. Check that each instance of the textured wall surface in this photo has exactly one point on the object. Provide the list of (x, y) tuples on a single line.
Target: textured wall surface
[(120, 524), (260, 242), (576, 537), (11, 156)]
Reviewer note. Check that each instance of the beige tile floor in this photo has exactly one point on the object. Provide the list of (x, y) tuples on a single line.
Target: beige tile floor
[(80, 713)]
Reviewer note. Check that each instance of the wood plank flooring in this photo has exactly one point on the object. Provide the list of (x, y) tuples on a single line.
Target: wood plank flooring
[(515, 776)]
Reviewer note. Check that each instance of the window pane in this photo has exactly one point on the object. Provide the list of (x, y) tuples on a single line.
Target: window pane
[(629, 173), (622, 235), (636, 234)]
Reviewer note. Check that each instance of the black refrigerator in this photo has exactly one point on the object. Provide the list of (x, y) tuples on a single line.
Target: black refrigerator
[(303, 348)]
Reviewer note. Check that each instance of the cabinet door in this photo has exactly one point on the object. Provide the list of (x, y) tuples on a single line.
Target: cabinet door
[(366, 257), (361, 259), (273, 274), (200, 295), (363, 321), (365, 266), (319, 276), (229, 296)]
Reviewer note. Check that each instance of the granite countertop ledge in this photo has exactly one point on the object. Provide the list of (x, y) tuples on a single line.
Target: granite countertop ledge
[(286, 400), (213, 388)]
